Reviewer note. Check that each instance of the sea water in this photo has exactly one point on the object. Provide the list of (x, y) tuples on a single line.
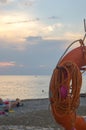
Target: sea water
[(27, 87), (24, 87)]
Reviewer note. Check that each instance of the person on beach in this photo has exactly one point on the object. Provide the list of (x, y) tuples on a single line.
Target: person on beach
[(3, 106), (1, 101), (8, 105), (16, 103)]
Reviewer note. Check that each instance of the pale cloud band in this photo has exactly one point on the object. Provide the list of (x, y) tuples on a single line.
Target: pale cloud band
[(7, 64), (19, 28), (16, 27), (10, 64)]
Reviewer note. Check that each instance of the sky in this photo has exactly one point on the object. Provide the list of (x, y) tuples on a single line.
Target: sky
[(35, 33)]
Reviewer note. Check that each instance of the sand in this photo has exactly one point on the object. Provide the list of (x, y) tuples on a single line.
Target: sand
[(35, 112)]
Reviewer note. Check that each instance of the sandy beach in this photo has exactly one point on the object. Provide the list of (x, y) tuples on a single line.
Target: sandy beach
[(35, 112)]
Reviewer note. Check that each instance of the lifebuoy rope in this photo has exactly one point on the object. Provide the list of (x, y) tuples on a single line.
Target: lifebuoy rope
[(69, 77), (65, 88)]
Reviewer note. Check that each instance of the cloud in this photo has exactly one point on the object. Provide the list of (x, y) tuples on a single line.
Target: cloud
[(14, 27), (23, 21), (34, 38), (23, 2), (53, 17), (17, 29), (43, 66), (27, 2), (5, 1), (72, 36), (7, 64), (50, 28)]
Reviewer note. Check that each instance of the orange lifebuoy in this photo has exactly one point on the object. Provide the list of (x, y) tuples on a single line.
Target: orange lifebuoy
[(64, 91), (77, 56)]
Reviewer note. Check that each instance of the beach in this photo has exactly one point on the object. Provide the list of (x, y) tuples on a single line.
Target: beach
[(35, 113)]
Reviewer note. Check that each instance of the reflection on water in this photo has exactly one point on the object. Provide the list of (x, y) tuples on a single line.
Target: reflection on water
[(24, 87), (27, 87)]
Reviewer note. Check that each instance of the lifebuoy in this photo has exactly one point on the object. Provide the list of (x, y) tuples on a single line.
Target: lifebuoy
[(77, 56), (64, 90)]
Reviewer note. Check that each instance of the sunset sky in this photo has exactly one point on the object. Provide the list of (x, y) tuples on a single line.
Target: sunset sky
[(35, 33)]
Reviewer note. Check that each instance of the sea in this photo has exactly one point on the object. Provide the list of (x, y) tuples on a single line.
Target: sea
[(27, 86)]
